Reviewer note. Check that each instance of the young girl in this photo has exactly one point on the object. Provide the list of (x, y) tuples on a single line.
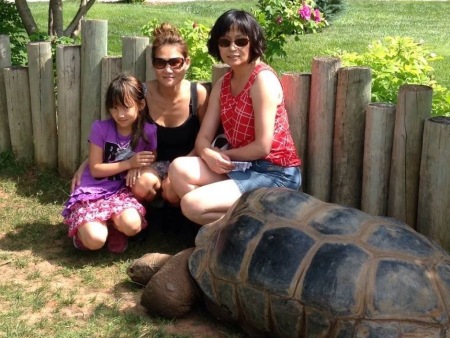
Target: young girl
[(102, 209)]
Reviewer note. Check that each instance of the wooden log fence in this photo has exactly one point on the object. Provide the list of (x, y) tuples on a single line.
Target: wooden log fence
[(382, 158), (5, 62), (43, 105), (68, 64), (321, 126), (434, 190), (352, 97), (378, 139), (413, 106)]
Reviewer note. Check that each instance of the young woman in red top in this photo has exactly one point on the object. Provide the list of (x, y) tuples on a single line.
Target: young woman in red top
[(248, 102)]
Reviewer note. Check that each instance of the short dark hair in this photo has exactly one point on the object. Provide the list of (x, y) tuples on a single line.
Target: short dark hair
[(246, 24)]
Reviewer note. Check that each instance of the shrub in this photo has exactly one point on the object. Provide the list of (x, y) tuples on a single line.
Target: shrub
[(133, 1), (330, 7), (195, 35), (281, 18), (396, 61), (11, 25)]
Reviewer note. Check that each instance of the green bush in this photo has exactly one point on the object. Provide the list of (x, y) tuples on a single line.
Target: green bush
[(396, 61), (10, 24), (133, 1), (195, 35), (330, 7), (281, 19)]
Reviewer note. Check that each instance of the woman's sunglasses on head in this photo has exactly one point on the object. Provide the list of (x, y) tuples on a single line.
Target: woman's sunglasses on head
[(174, 63), (241, 42)]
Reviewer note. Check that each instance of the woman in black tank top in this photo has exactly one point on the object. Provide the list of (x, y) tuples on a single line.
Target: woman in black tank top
[(176, 106)]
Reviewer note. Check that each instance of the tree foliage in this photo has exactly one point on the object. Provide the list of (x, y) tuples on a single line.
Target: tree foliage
[(55, 27)]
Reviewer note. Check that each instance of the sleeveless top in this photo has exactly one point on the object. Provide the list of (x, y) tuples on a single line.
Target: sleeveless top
[(238, 121), (173, 142)]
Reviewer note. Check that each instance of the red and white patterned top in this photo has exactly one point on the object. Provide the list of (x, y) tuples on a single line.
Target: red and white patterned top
[(238, 121)]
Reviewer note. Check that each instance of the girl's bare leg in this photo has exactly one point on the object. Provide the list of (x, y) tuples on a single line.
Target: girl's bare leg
[(93, 235), (129, 222)]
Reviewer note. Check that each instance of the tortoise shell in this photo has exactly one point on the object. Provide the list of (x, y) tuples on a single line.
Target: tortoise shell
[(284, 264)]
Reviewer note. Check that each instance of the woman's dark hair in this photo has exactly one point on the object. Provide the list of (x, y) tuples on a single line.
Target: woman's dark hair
[(243, 22), (126, 90)]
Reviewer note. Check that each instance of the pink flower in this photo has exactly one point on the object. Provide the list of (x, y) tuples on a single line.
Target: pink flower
[(305, 12), (279, 20), (317, 17)]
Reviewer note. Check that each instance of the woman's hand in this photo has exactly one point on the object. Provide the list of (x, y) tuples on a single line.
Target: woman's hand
[(142, 159), (217, 161)]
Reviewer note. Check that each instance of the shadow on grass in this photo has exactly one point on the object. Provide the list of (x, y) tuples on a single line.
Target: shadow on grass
[(51, 243), (44, 184), (169, 231)]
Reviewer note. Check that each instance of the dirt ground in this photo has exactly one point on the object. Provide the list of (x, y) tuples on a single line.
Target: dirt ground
[(198, 323)]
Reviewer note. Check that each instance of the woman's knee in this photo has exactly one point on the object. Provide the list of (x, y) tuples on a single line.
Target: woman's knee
[(129, 221), (168, 193), (178, 167), (191, 207)]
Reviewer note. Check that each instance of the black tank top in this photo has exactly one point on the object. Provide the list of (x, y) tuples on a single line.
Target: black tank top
[(179, 141)]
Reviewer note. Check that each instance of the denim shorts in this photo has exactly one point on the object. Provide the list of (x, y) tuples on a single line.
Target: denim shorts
[(264, 174)]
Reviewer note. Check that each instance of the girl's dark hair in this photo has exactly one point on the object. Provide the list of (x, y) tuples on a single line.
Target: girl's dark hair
[(164, 35), (126, 90), (243, 22)]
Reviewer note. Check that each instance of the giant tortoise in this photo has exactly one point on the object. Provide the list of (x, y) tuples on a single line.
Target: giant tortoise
[(281, 263)]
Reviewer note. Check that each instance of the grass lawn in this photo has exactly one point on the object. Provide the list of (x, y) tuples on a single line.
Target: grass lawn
[(48, 288), (361, 22)]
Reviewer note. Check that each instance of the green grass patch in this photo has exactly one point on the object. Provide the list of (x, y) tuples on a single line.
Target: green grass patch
[(353, 29), (50, 289)]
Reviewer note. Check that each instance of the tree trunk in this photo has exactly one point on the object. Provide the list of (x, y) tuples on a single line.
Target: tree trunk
[(55, 9), (74, 26), (27, 18)]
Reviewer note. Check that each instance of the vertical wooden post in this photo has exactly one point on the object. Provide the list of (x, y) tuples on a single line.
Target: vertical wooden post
[(433, 215), (320, 127), (133, 55), (379, 132), (413, 106), (297, 88), (5, 62), (19, 112), (218, 70), (68, 65), (43, 110), (111, 67), (94, 37), (352, 96), (149, 71)]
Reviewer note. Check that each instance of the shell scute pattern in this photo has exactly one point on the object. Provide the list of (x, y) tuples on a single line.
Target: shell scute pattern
[(410, 292), (340, 221), (289, 265), (333, 278), (400, 240), (277, 258)]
